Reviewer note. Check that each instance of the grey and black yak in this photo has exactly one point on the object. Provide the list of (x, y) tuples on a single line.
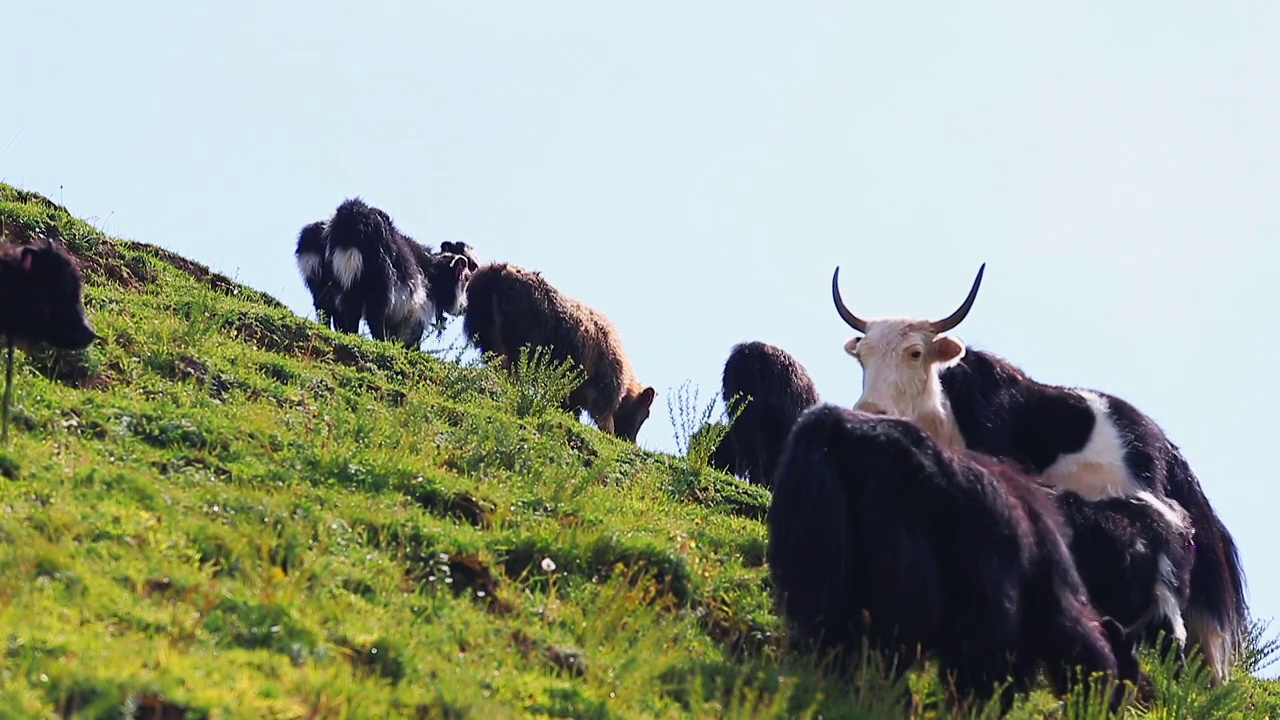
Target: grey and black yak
[(776, 389), (877, 532), (1089, 441), (509, 307), (397, 285)]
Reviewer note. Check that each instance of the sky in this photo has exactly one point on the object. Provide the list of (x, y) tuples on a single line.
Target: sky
[(696, 172)]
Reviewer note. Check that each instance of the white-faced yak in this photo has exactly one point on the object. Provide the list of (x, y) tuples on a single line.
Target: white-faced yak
[(1089, 441)]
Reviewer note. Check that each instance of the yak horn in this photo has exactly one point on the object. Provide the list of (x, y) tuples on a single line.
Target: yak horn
[(854, 321), (952, 320)]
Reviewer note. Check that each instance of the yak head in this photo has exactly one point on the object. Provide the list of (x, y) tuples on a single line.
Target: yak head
[(43, 297), (901, 359)]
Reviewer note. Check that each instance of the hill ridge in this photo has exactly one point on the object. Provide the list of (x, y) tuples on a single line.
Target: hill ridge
[(226, 510)]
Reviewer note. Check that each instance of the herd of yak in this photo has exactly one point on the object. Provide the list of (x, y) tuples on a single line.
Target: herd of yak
[(961, 510)]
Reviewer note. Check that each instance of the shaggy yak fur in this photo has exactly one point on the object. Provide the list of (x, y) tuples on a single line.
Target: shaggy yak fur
[(878, 533), (777, 389), (395, 284), (509, 307)]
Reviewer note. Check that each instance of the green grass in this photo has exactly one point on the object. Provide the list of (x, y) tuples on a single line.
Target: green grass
[(225, 510)]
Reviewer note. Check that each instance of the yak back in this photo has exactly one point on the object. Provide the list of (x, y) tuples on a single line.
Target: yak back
[(510, 306)]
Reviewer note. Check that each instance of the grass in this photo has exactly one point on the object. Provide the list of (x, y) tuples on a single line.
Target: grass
[(225, 510)]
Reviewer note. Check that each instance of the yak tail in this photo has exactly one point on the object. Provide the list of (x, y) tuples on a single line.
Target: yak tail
[(1217, 612), (357, 235)]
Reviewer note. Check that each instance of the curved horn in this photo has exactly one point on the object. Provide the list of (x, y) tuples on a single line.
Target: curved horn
[(854, 321), (952, 320)]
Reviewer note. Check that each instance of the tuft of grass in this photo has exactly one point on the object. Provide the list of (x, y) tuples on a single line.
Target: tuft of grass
[(696, 436), (538, 384), (225, 510)]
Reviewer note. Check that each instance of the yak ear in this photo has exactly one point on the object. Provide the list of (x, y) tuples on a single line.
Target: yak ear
[(448, 247), (948, 349), (647, 395), (28, 255)]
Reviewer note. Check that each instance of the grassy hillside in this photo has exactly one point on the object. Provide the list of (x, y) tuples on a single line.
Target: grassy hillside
[(223, 510)]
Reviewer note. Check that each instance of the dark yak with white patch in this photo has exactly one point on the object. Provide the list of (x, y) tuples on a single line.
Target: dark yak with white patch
[(316, 273), (397, 285), (1085, 440), (1135, 559), (776, 389), (877, 532)]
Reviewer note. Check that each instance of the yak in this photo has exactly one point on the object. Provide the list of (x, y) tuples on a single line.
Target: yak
[(509, 307), (878, 533), (774, 389), (317, 275), (41, 304), (395, 284), (41, 297), (1086, 440)]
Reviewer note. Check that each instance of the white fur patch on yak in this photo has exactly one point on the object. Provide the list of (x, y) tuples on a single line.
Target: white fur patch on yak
[(309, 265), (1097, 470), (347, 265), (1178, 518), (1166, 601)]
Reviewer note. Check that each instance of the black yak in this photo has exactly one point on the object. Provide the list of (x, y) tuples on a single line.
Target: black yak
[(877, 532), (1085, 440), (41, 304), (316, 273), (509, 307), (397, 285), (1134, 555), (41, 297), (776, 388)]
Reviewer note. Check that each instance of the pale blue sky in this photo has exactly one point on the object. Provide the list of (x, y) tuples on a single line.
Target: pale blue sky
[(697, 170)]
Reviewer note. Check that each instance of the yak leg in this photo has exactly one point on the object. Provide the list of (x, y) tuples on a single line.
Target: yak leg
[(8, 388), (347, 319), (375, 314)]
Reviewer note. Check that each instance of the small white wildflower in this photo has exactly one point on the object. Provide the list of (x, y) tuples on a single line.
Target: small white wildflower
[(548, 565)]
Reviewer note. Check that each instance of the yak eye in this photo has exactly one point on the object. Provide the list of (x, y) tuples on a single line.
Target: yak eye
[(914, 353)]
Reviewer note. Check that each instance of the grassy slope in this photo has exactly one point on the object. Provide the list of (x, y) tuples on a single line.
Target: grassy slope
[(226, 509)]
